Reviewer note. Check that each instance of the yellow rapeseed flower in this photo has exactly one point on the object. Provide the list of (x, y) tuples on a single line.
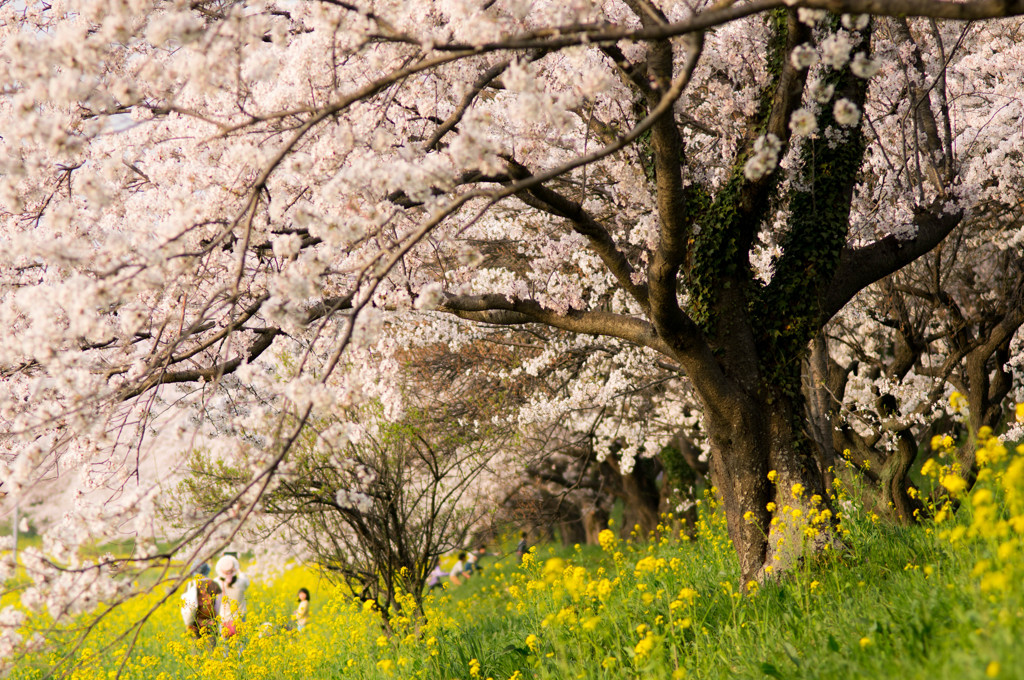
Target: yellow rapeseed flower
[(954, 483), (645, 646), (773, 476), (553, 568), (996, 580), (865, 642), (993, 451), (650, 564), (992, 670)]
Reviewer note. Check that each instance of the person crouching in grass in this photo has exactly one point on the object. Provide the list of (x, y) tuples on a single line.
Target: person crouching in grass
[(459, 575), (205, 626)]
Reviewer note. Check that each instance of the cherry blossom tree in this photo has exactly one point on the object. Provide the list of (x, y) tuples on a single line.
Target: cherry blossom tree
[(195, 195)]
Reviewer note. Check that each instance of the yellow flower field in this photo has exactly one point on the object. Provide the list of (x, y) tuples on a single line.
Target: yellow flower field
[(943, 599)]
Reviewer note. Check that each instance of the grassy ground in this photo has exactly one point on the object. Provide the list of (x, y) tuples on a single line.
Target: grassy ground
[(901, 604), (932, 601)]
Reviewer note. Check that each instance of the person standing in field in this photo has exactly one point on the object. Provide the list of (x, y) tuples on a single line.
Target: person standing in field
[(233, 584), (522, 547), (302, 611), (204, 626)]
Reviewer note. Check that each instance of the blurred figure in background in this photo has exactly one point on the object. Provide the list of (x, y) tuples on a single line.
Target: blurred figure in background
[(204, 621), (233, 584), (458, 575), (302, 611), (473, 565), (522, 547), (435, 579)]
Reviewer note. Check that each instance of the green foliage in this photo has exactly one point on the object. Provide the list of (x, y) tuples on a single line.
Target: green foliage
[(678, 475), (819, 216), (715, 257)]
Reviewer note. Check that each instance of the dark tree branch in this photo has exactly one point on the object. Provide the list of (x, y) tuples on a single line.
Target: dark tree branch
[(557, 37), (860, 267), (502, 310), (674, 228), (264, 339), (485, 79), (934, 156)]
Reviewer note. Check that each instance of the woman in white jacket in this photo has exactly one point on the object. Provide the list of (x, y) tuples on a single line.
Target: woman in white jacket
[(233, 584)]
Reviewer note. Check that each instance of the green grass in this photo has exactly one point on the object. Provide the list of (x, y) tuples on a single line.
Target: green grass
[(897, 604), (916, 624), (902, 603)]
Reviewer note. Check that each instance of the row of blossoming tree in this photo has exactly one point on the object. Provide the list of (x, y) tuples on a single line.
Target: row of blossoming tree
[(776, 230)]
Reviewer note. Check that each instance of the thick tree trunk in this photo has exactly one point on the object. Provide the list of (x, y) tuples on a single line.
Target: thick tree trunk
[(819, 386), (750, 439), (988, 384), (571, 528), (642, 498), (885, 484)]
